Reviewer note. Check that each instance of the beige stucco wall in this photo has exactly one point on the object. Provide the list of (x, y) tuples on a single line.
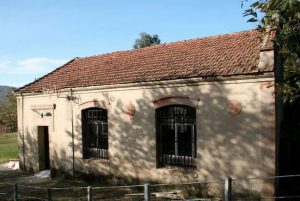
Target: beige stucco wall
[(227, 145)]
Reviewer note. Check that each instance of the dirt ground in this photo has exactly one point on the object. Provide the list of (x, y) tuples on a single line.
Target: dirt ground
[(10, 176), (69, 189), (28, 181)]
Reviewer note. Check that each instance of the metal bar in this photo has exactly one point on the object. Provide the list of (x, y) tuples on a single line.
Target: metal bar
[(202, 182), (227, 189), (112, 187), (176, 140), (49, 194), (147, 193), (97, 138), (193, 141), (35, 187), (16, 192), (4, 193), (7, 184), (72, 187), (89, 193), (269, 177), (31, 198)]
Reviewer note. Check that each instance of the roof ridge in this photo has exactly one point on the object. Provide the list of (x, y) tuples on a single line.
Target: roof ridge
[(211, 37), (166, 44)]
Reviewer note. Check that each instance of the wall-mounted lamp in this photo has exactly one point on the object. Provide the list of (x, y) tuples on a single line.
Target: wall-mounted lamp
[(46, 114)]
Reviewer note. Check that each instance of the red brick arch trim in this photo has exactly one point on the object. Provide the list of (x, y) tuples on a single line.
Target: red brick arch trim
[(180, 100), (100, 104)]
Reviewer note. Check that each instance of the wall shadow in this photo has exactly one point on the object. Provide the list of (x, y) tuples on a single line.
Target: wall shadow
[(227, 145)]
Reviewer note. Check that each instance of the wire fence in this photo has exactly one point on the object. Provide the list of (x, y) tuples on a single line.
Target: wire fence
[(227, 189)]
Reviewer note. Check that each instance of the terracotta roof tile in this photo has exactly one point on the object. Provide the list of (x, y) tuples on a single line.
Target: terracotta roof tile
[(222, 55)]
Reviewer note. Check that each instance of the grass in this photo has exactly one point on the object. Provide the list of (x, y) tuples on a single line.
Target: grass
[(8, 147)]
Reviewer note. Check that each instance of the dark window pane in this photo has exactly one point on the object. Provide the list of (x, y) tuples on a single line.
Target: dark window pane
[(168, 139), (184, 133), (103, 136)]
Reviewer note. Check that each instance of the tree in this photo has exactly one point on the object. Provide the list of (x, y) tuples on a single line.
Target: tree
[(8, 112), (146, 40), (283, 17)]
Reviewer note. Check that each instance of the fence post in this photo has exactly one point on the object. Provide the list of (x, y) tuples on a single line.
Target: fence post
[(49, 194), (89, 193), (147, 192), (16, 192), (227, 189)]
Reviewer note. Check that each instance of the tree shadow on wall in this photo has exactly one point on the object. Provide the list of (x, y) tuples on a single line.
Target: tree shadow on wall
[(226, 144)]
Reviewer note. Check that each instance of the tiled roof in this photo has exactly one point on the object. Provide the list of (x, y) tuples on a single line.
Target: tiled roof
[(222, 55)]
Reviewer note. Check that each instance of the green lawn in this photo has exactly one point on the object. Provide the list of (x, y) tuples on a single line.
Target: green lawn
[(8, 147)]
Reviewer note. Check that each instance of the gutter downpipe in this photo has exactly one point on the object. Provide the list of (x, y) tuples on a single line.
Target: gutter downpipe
[(72, 131), (23, 134)]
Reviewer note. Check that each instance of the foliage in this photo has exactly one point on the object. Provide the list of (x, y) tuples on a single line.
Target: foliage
[(4, 90), (9, 147), (283, 17), (146, 40), (8, 111)]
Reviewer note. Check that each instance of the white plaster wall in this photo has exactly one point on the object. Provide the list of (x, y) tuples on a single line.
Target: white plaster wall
[(226, 144)]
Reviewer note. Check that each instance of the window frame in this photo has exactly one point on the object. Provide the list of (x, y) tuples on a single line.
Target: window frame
[(95, 128), (176, 160)]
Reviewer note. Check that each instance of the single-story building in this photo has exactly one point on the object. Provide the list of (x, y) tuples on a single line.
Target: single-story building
[(183, 111)]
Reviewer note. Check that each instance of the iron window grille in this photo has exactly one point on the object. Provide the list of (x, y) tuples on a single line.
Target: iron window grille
[(176, 136), (95, 133)]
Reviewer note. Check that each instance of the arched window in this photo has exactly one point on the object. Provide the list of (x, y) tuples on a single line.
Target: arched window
[(176, 135), (94, 133)]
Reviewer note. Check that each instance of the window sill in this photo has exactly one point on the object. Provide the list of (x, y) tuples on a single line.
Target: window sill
[(176, 169), (91, 160)]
